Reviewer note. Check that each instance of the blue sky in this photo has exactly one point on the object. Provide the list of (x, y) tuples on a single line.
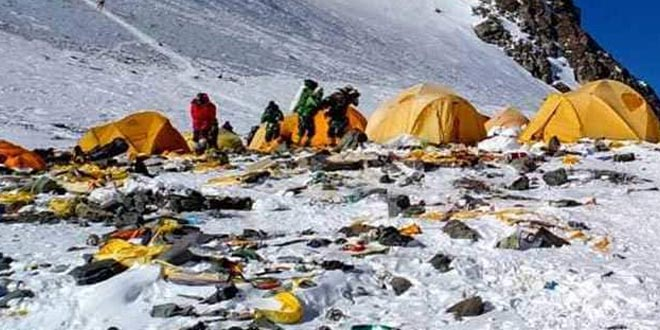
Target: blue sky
[(629, 30)]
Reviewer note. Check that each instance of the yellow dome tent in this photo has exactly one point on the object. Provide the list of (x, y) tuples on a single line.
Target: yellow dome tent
[(429, 112), (259, 143), (148, 133), (507, 118), (289, 128), (601, 109)]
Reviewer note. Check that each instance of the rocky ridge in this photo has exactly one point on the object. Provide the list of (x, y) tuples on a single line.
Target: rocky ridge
[(537, 34)]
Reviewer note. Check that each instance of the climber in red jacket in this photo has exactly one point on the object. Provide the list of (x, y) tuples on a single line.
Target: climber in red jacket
[(205, 122)]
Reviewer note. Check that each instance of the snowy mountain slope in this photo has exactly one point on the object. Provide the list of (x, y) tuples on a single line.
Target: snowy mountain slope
[(157, 54)]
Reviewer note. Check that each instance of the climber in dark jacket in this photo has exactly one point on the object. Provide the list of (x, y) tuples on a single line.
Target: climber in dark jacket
[(338, 103), (272, 117)]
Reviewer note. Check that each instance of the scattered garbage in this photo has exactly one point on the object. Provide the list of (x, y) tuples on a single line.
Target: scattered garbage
[(391, 236), (334, 314), (623, 158), (172, 310), (397, 204), (473, 185), (372, 327), (524, 240), (159, 224), (565, 203), (97, 271), (5, 262), (550, 285), (18, 294)]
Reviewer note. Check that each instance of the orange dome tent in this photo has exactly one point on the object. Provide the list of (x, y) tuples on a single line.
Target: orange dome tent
[(148, 133), (16, 157), (289, 128), (507, 118), (429, 112), (604, 109)]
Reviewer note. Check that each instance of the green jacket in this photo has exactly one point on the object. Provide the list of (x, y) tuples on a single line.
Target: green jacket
[(309, 102)]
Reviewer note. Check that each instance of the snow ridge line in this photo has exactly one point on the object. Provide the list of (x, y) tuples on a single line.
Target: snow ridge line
[(180, 61)]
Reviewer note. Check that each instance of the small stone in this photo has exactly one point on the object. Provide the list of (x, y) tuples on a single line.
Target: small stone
[(386, 179), (441, 262), (521, 183), (556, 177), (459, 230), (469, 307), (400, 285)]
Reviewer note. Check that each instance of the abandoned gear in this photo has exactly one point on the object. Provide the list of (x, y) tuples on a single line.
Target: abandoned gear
[(115, 148), (204, 120), (306, 107), (272, 117)]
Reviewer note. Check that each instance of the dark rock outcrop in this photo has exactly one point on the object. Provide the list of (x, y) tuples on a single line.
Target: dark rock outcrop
[(554, 30)]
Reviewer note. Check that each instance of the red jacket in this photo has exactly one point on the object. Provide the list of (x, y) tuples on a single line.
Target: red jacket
[(203, 115)]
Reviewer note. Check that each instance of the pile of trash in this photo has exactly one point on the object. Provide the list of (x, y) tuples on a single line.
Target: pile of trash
[(268, 279)]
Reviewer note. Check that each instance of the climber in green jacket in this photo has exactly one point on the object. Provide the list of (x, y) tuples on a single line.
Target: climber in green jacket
[(306, 107), (272, 117)]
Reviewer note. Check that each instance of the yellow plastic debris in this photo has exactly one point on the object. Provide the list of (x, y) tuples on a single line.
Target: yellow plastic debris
[(114, 173), (129, 254), (290, 312), (63, 207), (603, 245), (207, 166), (571, 160), (410, 230), (16, 196), (434, 216), (577, 235), (617, 144)]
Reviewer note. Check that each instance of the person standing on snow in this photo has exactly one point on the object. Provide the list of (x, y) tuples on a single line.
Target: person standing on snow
[(272, 117), (100, 4), (306, 106), (205, 122), (338, 103)]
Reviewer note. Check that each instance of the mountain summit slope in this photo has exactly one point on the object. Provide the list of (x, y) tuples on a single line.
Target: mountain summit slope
[(243, 52)]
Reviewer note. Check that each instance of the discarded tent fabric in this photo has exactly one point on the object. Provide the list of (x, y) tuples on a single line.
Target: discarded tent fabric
[(16, 157), (290, 312), (602, 109), (259, 143), (430, 113), (229, 141), (147, 133), (129, 254)]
